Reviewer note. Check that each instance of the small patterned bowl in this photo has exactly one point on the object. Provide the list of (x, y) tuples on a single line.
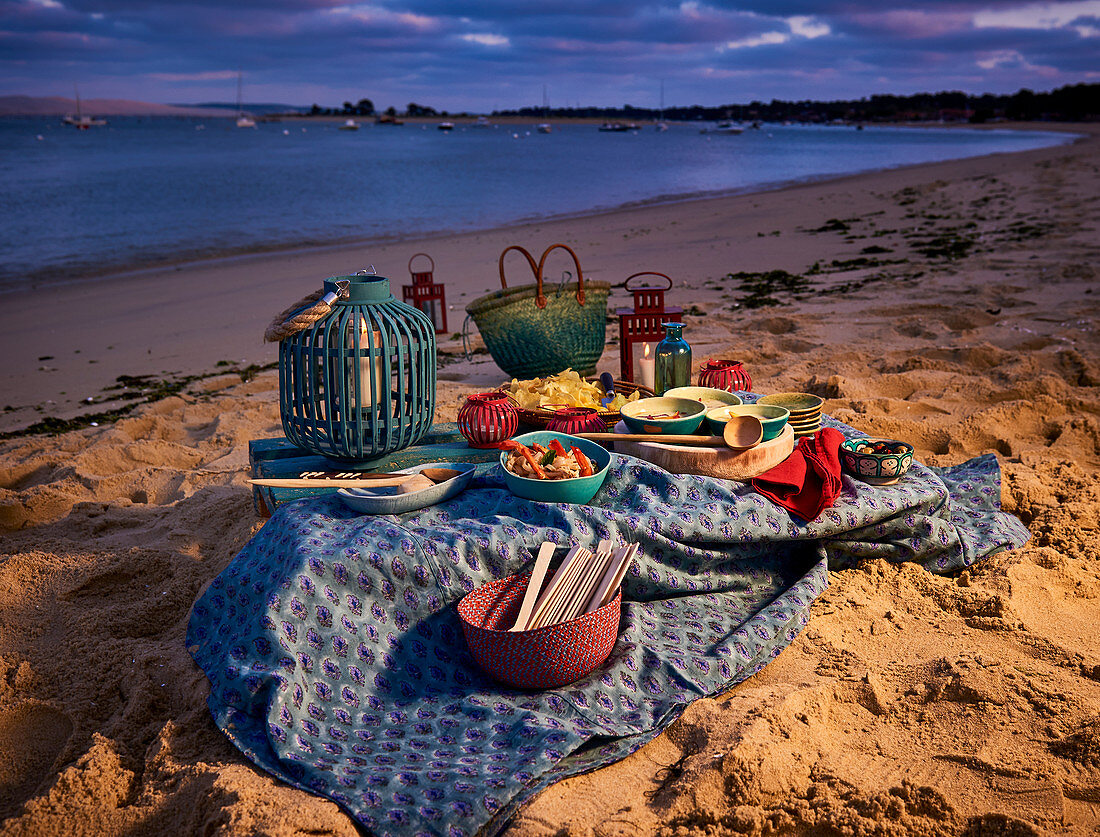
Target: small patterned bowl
[(637, 414), (876, 461), (545, 658), (772, 418)]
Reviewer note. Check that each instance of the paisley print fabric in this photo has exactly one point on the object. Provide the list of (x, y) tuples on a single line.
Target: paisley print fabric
[(338, 664)]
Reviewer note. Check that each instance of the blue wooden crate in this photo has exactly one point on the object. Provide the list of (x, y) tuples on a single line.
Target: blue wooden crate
[(277, 458)]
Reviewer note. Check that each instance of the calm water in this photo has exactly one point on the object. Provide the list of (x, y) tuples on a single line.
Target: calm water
[(142, 191)]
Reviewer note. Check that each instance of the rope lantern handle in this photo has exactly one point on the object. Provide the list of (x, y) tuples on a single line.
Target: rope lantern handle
[(426, 256), (305, 312), (540, 300), (667, 287)]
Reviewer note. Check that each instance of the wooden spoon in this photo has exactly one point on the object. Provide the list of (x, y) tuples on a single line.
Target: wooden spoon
[(438, 475), (743, 432)]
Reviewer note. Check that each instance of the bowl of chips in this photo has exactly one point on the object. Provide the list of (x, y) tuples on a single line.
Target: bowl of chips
[(539, 399)]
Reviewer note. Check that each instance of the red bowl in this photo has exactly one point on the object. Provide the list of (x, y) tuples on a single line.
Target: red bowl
[(544, 658)]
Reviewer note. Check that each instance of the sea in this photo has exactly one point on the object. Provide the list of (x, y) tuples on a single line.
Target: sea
[(146, 191)]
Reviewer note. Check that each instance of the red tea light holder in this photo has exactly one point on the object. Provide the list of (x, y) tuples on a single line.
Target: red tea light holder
[(642, 325), (573, 420), (487, 419), (729, 375), (427, 294)]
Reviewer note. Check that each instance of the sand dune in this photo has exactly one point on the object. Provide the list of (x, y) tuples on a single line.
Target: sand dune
[(911, 704)]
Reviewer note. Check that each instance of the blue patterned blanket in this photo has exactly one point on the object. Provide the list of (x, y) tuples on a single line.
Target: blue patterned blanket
[(337, 662)]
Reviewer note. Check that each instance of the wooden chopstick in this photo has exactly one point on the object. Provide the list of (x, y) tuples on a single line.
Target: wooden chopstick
[(581, 583), (612, 579), (592, 578), (395, 479), (552, 587), (552, 614), (538, 574)]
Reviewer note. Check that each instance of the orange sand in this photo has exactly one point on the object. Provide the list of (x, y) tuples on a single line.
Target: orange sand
[(912, 704)]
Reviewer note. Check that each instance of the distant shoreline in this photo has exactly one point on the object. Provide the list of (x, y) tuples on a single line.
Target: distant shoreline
[(78, 275)]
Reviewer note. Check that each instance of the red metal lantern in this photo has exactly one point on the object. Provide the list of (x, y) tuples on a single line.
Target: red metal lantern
[(729, 375), (426, 294), (642, 326), (487, 419), (577, 420)]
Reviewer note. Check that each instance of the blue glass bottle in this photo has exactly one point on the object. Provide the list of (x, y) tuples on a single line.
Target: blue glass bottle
[(672, 360)]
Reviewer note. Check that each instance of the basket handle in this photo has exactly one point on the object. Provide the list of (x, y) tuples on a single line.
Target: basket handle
[(426, 256), (626, 284), (540, 300), (534, 270)]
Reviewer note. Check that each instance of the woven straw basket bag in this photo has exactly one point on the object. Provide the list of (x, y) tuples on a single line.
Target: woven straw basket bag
[(532, 334)]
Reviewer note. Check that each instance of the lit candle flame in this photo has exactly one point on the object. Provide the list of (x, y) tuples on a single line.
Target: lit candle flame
[(645, 349)]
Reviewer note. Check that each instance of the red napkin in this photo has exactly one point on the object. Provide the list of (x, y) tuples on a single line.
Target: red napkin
[(808, 480)]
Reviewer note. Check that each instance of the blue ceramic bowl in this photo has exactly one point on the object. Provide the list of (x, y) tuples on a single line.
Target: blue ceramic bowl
[(638, 415), (772, 418), (708, 396), (579, 490)]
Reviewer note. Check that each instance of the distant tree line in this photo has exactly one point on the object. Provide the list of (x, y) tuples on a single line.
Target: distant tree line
[(365, 107), (1073, 103)]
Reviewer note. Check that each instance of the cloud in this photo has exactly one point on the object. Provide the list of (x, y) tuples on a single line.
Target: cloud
[(210, 75), (485, 39), (1037, 15), (807, 27), (763, 39)]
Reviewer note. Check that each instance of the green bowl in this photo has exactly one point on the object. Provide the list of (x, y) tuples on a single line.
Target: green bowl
[(772, 418), (635, 413), (876, 461), (579, 490), (707, 396)]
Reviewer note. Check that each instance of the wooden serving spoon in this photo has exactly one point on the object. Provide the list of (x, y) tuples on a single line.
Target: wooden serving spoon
[(743, 432)]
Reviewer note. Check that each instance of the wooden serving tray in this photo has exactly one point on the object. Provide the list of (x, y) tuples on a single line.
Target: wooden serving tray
[(723, 463)]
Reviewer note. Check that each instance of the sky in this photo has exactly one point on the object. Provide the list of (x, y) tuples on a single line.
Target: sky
[(460, 55)]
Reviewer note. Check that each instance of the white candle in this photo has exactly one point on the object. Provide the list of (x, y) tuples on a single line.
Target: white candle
[(379, 392), (646, 368)]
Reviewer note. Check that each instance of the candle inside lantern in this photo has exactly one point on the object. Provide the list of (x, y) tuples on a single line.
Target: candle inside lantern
[(646, 373), (380, 388)]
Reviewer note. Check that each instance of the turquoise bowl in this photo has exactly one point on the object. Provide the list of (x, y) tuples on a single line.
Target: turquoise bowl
[(708, 396), (579, 490), (691, 415), (772, 418)]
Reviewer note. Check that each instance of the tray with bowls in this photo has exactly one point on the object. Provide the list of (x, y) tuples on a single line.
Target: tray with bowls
[(805, 410), (540, 416), (876, 461)]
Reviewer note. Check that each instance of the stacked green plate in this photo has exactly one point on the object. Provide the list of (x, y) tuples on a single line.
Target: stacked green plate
[(805, 410)]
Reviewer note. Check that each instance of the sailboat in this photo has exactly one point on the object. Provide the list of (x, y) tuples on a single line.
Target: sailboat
[(243, 119), (80, 121), (661, 125)]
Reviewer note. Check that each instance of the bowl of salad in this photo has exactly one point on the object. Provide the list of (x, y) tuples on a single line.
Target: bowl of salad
[(554, 467)]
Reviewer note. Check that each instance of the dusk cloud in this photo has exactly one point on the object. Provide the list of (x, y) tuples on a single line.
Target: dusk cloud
[(464, 55)]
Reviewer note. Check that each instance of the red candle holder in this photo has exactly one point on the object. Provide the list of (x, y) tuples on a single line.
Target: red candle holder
[(577, 420), (729, 375), (487, 419)]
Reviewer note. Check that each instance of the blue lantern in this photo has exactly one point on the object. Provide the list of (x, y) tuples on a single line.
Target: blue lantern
[(359, 383)]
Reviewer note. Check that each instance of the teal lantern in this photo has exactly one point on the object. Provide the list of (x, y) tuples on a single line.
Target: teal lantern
[(360, 382)]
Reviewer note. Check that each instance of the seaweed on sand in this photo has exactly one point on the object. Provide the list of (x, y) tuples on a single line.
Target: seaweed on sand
[(760, 288)]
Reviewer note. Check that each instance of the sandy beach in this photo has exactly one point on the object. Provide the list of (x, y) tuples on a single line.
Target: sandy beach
[(953, 305)]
